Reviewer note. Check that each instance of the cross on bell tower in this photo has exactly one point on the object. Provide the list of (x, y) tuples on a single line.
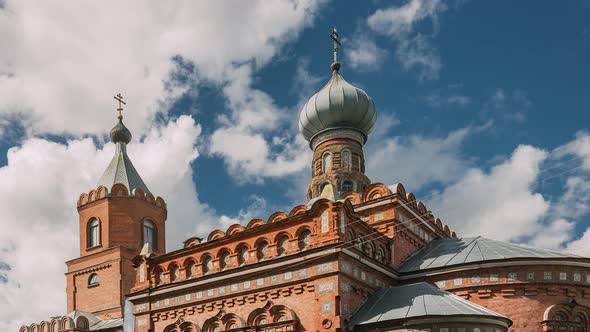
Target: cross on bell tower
[(119, 98)]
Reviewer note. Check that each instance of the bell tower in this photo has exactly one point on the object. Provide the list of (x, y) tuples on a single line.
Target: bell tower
[(116, 219), (336, 121)]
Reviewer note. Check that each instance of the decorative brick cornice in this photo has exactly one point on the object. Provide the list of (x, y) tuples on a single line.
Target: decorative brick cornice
[(93, 269)]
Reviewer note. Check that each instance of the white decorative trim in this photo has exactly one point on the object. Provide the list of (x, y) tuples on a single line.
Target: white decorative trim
[(390, 200), (341, 132), (461, 319), (503, 263)]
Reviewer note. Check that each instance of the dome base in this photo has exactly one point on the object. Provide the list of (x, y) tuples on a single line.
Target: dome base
[(339, 132)]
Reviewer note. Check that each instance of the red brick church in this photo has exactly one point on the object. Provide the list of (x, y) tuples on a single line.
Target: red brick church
[(357, 256)]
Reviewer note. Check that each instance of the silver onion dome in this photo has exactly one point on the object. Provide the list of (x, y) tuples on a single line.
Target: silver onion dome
[(337, 105), (120, 133)]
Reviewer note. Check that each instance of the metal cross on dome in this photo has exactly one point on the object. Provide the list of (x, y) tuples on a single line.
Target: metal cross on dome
[(336, 39), (119, 98)]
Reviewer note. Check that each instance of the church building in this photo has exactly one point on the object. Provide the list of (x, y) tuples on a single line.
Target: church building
[(356, 256)]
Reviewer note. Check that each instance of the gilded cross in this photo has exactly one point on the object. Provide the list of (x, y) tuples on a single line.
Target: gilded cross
[(119, 98), (334, 36)]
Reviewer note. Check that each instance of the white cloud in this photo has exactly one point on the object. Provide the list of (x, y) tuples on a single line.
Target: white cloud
[(64, 61), (417, 52), (414, 50), (506, 203), (255, 209), (580, 246), (409, 159), (258, 139), (579, 147), (364, 54), (500, 204), (400, 20)]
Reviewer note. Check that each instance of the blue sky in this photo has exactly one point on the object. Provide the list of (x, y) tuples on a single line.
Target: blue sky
[(482, 114)]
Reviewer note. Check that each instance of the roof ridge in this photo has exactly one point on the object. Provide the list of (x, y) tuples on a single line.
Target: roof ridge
[(455, 255)]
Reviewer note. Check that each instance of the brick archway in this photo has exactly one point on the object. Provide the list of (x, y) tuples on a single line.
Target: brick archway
[(567, 317)]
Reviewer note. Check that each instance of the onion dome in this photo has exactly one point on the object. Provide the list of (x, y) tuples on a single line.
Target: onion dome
[(120, 133), (338, 104)]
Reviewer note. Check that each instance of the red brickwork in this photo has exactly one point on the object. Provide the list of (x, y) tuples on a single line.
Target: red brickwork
[(337, 175), (121, 239), (520, 291)]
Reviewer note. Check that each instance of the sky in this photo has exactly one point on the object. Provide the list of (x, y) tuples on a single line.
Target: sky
[(482, 114)]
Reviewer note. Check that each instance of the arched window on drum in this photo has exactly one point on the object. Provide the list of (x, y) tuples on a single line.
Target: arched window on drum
[(326, 162), (345, 160), (347, 185)]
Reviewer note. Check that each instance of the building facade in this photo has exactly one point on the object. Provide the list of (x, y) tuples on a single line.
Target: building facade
[(357, 256)]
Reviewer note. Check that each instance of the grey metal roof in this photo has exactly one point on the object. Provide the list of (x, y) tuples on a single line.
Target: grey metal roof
[(453, 251), (96, 324), (107, 324), (121, 170), (419, 300), (337, 104), (92, 319)]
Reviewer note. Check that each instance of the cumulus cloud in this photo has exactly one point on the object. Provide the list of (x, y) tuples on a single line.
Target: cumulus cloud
[(258, 139), (580, 147), (499, 204), (364, 54), (62, 62), (580, 246), (408, 159), (414, 50), (505, 203)]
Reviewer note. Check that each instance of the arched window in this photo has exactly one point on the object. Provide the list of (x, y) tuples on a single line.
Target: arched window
[(173, 273), (262, 250), (262, 320), (370, 250), (569, 316), (380, 255), (232, 324), (242, 255), (327, 162), (304, 239), (158, 276), (283, 245), (189, 269), (93, 233), (361, 242), (224, 260), (207, 263), (345, 160), (149, 234), (347, 185), (93, 280), (82, 322), (350, 236)]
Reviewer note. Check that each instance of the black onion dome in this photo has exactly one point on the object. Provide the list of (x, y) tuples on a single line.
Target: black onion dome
[(120, 133)]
